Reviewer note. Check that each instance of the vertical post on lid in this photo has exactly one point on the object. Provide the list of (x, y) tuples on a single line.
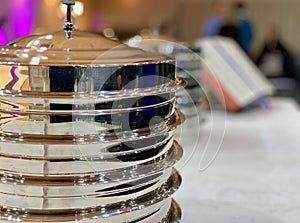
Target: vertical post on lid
[(68, 22)]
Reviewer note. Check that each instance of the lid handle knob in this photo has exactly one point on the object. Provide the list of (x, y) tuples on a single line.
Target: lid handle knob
[(68, 22)]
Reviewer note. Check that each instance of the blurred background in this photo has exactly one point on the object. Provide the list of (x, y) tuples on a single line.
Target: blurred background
[(183, 21), (127, 17)]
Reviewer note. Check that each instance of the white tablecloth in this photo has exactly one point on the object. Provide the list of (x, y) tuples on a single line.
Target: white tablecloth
[(255, 177)]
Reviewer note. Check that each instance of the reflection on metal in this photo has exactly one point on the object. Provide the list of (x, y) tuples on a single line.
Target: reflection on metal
[(86, 131)]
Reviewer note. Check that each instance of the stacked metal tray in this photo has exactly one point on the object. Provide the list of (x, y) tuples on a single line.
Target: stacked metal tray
[(86, 131)]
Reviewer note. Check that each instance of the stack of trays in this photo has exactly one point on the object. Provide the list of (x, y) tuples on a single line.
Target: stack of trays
[(86, 132)]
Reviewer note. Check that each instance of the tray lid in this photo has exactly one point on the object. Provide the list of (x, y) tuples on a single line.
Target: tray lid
[(71, 47)]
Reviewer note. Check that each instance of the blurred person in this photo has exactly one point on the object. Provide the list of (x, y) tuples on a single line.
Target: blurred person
[(214, 23), (230, 26), (275, 60), (245, 27)]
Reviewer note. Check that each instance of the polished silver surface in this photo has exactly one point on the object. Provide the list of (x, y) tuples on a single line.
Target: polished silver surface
[(49, 199), (139, 164), (86, 130), (169, 212)]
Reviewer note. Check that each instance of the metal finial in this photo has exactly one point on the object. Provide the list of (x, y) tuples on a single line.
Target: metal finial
[(68, 22)]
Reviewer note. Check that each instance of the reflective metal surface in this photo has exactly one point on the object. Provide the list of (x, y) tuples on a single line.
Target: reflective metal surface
[(165, 213), (86, 131)]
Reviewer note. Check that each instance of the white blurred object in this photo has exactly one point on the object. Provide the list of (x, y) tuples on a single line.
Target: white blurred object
[(231, 75)]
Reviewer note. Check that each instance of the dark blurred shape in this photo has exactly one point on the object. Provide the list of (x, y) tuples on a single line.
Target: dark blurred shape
[(230, 27), (275, 60), (3, 32), (2, 21), (279, 65), (167, 29), (245, 27)]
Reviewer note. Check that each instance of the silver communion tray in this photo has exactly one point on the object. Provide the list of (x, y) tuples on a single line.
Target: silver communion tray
[(86, 131)]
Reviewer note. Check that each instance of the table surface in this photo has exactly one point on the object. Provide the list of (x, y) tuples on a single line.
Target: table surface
[(255, 175)]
